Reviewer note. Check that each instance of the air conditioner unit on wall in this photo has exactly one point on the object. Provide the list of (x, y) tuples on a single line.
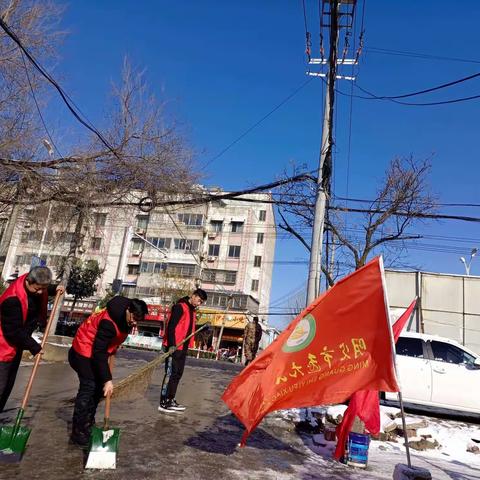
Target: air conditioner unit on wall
[(136, 253), (140, 231), (211, 259), (212, 235)]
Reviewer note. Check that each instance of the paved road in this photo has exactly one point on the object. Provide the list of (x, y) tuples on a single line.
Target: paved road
[(199, 444)]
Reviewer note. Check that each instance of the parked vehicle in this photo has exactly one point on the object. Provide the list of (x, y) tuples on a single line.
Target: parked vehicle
[(437, 372), (147, 340)]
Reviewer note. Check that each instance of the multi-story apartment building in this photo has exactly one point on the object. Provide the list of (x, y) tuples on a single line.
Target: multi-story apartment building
[(226, 246)]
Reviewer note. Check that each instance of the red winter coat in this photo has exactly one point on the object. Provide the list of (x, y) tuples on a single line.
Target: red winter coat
[(17, 289), (180, 324), (85, 336)]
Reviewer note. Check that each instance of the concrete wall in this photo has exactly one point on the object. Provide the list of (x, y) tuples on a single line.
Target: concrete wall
[(449, 304)]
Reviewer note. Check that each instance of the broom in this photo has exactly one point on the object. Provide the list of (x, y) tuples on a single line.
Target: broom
[(140, 379), (13, 439)]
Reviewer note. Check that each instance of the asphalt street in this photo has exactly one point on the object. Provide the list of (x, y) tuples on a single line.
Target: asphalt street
[(198, 444)]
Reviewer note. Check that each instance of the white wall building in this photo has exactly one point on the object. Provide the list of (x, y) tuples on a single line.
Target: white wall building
[(226, 246)]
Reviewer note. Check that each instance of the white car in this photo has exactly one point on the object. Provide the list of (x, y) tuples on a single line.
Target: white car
[(147, 340), (437, 372)]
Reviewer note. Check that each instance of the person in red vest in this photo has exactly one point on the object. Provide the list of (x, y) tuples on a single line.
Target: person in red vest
[(23, 307), (99, 337), (179, 326)]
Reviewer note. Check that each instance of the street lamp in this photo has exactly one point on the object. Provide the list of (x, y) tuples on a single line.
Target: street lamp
[(467, 264), (49, 148)]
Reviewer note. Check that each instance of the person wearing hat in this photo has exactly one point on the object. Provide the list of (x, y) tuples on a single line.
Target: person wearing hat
[(98, 338)]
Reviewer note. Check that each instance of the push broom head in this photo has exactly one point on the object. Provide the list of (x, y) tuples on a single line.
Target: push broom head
[(103, 448)]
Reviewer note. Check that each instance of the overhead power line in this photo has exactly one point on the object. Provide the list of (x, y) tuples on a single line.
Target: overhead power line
[(38, 106), (256, 124), (395, 98), (66, 99), (421, 92), (425, 56), (409, 214)]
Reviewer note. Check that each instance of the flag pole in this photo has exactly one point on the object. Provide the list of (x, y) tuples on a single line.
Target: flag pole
[(387, 305), (404, 425)]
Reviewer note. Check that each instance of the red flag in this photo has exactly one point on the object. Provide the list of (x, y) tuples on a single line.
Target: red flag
[(365, 404), (339, 344)]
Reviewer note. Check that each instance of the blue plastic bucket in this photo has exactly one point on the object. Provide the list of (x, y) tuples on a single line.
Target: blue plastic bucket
[(358, 449)]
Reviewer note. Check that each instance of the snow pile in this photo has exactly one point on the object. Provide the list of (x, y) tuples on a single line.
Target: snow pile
[(446, 439)]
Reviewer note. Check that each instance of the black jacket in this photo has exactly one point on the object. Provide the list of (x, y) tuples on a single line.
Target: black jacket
[(16, 332), (117, 311)]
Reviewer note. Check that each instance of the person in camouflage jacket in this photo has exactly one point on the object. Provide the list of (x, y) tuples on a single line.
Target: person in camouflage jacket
[(252, 336)]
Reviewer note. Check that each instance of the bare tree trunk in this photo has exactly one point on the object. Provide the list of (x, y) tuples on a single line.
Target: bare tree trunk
[(72, 255), (74, 302)]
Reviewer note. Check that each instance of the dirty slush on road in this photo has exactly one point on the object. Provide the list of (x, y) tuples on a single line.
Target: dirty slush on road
[(199, 443)]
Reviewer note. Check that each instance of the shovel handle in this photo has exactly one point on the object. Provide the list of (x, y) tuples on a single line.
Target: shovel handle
[(108, 398), (38, 357)]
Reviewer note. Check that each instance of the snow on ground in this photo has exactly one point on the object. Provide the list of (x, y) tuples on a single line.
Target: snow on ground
[(453, 436)]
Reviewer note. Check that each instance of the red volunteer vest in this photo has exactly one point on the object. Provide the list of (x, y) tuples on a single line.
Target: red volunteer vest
[(182, 327), (16, 289), (85, 336)]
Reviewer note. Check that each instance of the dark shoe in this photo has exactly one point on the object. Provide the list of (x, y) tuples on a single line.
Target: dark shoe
[(80, 440), (177, 406), (167, 407)]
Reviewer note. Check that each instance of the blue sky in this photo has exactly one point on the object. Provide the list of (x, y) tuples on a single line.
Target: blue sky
[(223, 65)]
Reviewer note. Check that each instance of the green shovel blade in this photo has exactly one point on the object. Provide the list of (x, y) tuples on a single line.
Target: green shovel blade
[(104, 440), (13, 442)]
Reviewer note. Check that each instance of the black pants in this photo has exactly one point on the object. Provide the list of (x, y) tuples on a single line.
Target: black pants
[(8, 374), (89, 394), (174, 367)]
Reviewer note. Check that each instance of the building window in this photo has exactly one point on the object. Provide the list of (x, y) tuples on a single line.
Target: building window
[(209, 276), (230, 278), (234, 251), (216, 226), (142, 222), (133, 269), (227, 277), (186, 245), (95, 243), (237, 227), (147, 267), (191, 219), (181, 270), (213, 250), (100, 219), (254, 285), (257, 261), (262, 215), (23, 260), (259, 237), (159, 242), (64, 237)]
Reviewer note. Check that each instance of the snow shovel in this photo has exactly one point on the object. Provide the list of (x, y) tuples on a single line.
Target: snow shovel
[(13, 439), (104, 441)]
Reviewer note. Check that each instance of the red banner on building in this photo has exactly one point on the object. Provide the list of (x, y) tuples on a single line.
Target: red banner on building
[(340, 344)]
